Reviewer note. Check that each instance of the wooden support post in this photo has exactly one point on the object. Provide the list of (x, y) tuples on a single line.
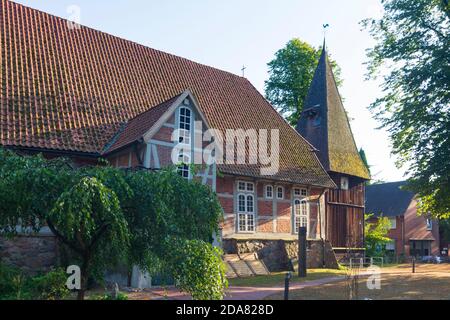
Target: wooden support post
[(414, 265), (302, 252), (286, 286)]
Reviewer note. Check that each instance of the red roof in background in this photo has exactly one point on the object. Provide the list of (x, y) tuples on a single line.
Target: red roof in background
[(73, 90)]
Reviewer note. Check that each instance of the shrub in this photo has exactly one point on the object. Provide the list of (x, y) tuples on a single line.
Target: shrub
[(11, 283), (50, 286), (198, 269), (120, 296), (15, 285)]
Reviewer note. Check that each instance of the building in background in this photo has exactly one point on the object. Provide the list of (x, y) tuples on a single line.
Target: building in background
[(411, 234)]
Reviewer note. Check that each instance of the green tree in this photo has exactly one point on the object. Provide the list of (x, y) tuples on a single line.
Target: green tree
[(88, 219), (375, 234), (105, 215), (290, 76), (412, 57)]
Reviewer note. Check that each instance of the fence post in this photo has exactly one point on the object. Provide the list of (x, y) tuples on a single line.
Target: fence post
[(302, 252), (286, 286)]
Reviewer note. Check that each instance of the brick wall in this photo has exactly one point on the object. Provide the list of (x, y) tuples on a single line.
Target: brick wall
[(274, 217), (32, 254)]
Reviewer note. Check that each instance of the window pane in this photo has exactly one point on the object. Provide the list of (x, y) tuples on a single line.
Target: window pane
[(250, 222), (241, 186), (269, 192), (250, 204), (280, 192), (242, 222), (241, 203), (250, 187)]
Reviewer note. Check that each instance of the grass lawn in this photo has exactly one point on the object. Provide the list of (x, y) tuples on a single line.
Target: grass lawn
[(429, 283), (277, 279)]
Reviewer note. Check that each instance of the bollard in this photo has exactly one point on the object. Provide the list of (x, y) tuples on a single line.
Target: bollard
[(414, 265), (286, 285)]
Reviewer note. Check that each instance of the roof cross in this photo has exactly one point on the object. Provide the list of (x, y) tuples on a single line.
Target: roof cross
[(243, 70)]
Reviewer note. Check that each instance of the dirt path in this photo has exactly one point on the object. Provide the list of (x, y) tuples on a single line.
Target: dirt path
[(232, 293)]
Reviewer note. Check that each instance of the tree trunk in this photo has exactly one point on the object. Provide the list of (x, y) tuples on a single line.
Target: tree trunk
[(130, 274), (84, 277)]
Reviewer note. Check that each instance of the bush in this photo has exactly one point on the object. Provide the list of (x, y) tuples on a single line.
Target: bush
[(198, 269), (15, 285), (11, 283), (120, 296), (50, 286)]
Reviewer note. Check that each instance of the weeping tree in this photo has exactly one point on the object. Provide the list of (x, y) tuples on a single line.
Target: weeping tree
[(104, 215), (81, 212), (171, 222), (88, 219)]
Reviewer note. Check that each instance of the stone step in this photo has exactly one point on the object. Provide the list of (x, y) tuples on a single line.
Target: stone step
[(231, 257), (229, 272), (241, 268), (258, 267), (248, 257)]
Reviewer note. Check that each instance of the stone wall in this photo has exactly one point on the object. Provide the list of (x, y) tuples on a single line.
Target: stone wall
[(32, 254), (278, 254)]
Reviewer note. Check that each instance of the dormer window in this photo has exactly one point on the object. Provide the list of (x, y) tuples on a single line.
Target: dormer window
[(184, 125)]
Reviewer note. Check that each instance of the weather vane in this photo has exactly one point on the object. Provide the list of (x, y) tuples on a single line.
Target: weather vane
[(325, 26)]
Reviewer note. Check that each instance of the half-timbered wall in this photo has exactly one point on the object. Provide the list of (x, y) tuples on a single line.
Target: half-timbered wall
[(274, 218)]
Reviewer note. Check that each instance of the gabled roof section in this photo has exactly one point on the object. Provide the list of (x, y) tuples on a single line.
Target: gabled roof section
[(73, 90), (136, 128), (324, 123), (388, 199)]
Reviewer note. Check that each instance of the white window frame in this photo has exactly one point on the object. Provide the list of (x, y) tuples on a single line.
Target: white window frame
[(247, 214), (266, 190), (300, 192), (303, 215), (246, 188), (183, 166), (182, 132), (282, 191)]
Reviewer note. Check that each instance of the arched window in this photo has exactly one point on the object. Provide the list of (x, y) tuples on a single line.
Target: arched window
[(184, 125), (300, 214), (246, 206)]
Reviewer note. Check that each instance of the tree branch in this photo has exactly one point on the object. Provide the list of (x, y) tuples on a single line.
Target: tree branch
[(63, 239)]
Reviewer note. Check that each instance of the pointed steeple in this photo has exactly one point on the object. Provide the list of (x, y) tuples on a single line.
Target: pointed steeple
[(324, 123)]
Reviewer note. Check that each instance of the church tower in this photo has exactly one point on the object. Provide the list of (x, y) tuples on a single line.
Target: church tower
[(324, 123)]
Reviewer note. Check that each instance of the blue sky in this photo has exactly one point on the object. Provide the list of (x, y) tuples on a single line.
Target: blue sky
[(230, 34)]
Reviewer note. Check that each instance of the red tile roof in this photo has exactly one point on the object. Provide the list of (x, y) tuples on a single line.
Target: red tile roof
[(73, 89), (135, 128)]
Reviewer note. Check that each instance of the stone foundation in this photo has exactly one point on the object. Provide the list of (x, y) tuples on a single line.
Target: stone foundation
[(277, 254), (32, 254)]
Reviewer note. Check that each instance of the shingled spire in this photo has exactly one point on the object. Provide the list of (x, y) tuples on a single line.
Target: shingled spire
[(324, 123)]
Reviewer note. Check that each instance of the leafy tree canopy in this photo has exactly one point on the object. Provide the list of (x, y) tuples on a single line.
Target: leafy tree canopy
[(106, 215), (375, 234), (290, 76), (412, 57)]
